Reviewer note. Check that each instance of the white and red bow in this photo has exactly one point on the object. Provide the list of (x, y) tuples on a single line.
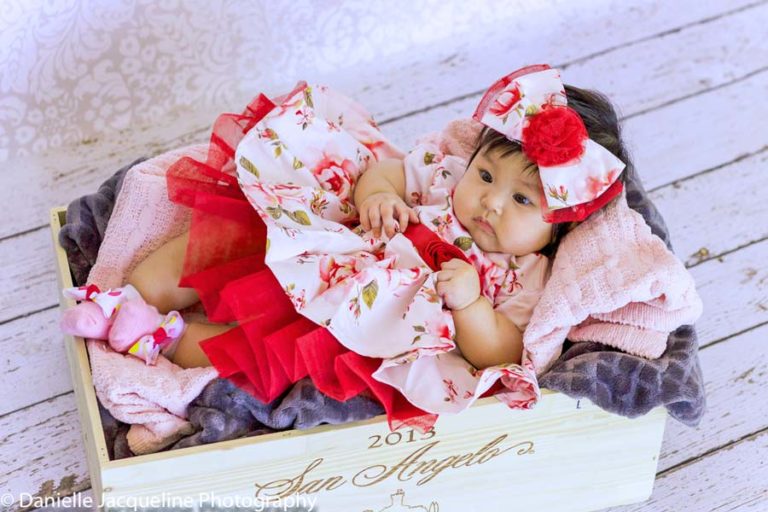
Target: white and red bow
[(578, 175), (109, 301)]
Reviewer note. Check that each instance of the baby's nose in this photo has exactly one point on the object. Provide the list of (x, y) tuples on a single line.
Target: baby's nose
[(492, 202)]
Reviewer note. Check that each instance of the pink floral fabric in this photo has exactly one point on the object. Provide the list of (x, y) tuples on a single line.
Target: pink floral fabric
[(298, 168)]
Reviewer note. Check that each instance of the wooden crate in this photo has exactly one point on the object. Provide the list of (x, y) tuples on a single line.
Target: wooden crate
[(562, 455)]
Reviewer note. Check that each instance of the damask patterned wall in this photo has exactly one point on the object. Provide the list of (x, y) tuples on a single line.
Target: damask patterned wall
[(73, 69)]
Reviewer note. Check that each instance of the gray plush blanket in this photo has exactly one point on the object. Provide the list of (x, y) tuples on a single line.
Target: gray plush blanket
[(615, 381)]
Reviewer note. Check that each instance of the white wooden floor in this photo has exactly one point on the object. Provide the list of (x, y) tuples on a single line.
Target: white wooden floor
[(691, 81)]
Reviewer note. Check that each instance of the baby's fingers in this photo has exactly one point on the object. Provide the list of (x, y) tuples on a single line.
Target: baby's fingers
[(388, 219), (374, 215), (403, 221), (364, 220)]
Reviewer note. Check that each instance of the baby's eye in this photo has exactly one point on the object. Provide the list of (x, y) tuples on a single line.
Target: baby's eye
[(486, 176), (520, 198)]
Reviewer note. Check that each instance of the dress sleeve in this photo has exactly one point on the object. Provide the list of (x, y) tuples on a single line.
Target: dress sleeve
[(518, 307), (430, 175), (340, 111)]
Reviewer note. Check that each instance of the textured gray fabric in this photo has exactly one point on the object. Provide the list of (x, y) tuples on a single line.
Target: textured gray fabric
[(629, 385), (223, 411)]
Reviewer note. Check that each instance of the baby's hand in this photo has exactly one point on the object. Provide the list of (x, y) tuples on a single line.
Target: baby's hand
[(388, 210), (458, 284)]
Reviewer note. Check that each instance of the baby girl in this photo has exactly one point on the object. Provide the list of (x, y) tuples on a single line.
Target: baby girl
[(339, 253)]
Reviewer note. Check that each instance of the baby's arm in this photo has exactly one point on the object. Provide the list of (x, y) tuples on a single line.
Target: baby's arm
[(379, 197), (484, 336)]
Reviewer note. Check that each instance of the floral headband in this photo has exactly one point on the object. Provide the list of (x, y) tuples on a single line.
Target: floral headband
[(578, 175)]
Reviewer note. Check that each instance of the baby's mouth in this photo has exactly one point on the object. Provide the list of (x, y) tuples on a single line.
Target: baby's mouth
[(484, 225)]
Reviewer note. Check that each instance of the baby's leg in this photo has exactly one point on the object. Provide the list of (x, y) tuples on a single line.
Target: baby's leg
[(188, 353), (157, 277)]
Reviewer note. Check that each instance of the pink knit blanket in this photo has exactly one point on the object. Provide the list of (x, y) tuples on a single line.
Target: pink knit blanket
[(613, 282), (153, 399)]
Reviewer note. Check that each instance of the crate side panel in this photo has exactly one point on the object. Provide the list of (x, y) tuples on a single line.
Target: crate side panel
[(563, 455)]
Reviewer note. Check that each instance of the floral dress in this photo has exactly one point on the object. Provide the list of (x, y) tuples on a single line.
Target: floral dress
[(298, 167)]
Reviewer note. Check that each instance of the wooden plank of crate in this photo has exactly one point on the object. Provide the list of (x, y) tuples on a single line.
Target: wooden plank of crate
[(68, 173)]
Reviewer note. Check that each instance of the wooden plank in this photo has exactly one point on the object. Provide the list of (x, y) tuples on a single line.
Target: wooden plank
[(34, 364), (57, 178), (28, 280), (734, 292), (715, 212), (700, 132), (736, 376), (732, 478), (41, 450)]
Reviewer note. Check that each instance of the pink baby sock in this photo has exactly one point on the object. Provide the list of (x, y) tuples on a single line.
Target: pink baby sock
[(93, 316), (134, 319), (123, 318), (87, 320)]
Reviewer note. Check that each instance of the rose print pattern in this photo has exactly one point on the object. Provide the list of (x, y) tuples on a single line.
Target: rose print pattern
[(560, 193), (376, 296), (507, 101)]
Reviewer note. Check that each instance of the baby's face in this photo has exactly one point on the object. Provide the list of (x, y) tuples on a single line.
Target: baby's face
[(498, 202)]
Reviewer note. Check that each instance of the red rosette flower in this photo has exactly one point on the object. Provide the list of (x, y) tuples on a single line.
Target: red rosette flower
[(554, 136), (432, 249), (505, 102), (437, 252)]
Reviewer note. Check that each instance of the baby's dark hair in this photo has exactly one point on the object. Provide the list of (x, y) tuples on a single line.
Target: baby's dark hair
[(602, 125)]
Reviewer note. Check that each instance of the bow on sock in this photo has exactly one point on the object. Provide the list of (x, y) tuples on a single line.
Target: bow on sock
[(109, 301), (148, 347)]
